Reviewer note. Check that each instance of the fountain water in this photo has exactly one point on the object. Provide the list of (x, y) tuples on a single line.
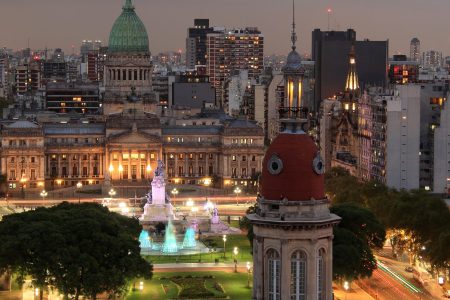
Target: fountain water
[(144, 240), (189, 238), (170, 240)]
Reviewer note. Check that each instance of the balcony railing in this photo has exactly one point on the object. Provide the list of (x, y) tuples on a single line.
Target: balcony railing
[(293, 112)]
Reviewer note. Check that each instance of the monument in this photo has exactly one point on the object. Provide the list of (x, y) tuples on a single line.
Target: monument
[(158, 207)]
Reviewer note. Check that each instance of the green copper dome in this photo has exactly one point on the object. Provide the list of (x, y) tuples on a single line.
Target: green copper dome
[(128, 33)]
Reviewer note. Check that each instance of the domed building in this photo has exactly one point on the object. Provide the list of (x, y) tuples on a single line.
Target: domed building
[(128, 68), (292, 225)]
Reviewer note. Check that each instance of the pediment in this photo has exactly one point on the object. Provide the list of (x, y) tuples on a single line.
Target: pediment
[(134, 137)]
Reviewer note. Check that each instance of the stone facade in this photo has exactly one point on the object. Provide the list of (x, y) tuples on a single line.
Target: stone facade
[(125, 148)]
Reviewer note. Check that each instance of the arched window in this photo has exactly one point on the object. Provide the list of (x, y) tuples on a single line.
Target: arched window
[(321, 294), (273, 271), (298, 276)]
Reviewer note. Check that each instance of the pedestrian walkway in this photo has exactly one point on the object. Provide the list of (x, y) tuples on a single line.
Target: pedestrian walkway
[(354, 293)]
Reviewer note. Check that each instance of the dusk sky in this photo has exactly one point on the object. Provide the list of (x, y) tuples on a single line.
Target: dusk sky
[(62, 23)]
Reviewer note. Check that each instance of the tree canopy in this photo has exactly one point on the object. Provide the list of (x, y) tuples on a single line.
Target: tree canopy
[(354, 237), (80, 249), (418, 216)]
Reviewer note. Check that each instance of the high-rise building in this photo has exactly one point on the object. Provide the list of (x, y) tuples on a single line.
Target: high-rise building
[(87, 46), (233, 49), (65, 98), (96, 64), (432, 59), (196, 43), (414, 50), (402, 71), (330, 50)]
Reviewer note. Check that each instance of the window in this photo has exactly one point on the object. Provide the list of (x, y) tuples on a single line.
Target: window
[(191, 155), (33, 174), (152, 156), (142, 155), (244, 172), (210, 170), (12, 160), (180, 156), (86, 140), (253, 158), (244, 158), (211, 156), (115, 157), (125, 156), (85, 170), (64, 156), (273, 269), (85, 157), (200, 171), (298, 276), (200, 156), (134, 155), (321, 275), (233, 158), (233, 172), (12, 175), (75, 170), (125, 172), (180, 171)]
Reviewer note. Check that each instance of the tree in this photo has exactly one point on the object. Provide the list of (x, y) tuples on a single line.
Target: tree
[(82, 250), (358, 232), (337, 183)]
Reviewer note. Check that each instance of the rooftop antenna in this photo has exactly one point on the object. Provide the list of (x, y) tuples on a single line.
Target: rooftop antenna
[(329, 14), (293, 34)]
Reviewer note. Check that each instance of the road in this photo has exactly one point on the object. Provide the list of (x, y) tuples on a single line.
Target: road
[(388, 283)]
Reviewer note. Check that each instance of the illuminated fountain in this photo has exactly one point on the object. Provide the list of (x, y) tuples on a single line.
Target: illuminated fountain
[(170, 240), (189, 238), (144, 240)]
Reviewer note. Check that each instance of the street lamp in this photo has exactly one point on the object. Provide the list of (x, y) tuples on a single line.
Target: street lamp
[(346, 288), (23, 180), (235, 252), (43, 195), (190, 203), (237, 191), (79, 186), (224, 238), (248, 274), (174, 192), (111, 193)]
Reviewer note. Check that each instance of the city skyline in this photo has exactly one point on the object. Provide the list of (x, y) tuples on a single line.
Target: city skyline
[(167, 24)]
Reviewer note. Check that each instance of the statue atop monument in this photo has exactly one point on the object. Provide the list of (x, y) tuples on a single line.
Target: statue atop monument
[(160, 169)]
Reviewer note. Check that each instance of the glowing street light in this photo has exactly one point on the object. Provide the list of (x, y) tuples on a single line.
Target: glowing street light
[(190, 203), (43, 194), (237, 191), (235, 252), (247, 265), (79, 186), (224, 238), (112, 193), (174, 192), (111, 168), (141, 286)]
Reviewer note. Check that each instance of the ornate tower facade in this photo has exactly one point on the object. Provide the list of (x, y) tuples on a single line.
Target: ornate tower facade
[(292, 104), (128, 68), (293, 227)]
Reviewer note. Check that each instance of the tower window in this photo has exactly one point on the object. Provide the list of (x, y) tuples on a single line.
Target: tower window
[(273, 269), (321, 275), (298, 276)]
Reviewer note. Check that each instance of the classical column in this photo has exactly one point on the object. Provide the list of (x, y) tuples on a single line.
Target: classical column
[(129, 164), (59, 166)]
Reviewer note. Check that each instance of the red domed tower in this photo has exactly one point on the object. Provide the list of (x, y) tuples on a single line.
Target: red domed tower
[(293, 227)]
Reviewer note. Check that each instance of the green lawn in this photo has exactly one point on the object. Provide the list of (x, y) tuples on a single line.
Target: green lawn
[(239, 241), (161, 287)]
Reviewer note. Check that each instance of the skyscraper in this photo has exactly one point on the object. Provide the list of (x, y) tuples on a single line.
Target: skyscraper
[(414, 50), (330, 50), (234, 49), (196, 43)]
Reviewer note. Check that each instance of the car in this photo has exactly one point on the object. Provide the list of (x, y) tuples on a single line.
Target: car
[(409, 269)]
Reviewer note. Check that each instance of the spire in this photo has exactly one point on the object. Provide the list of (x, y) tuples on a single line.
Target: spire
[(352, 83), (293, 34), (128, 5)]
